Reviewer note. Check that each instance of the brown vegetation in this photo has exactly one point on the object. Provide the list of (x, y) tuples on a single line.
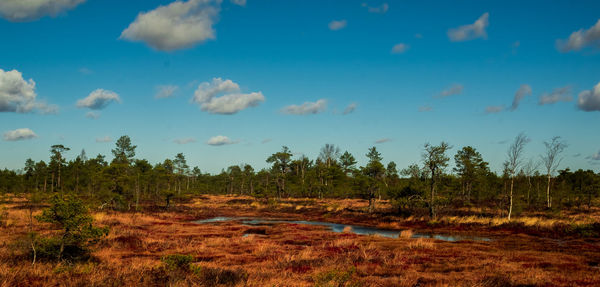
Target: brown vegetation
[(133, 254)]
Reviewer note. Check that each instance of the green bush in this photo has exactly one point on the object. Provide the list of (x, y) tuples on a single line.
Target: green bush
[(77, 231), (177, 262)]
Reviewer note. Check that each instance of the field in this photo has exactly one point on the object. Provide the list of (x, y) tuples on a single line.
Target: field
[(530, 251)]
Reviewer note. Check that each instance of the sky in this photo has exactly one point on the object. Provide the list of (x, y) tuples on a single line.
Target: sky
[(230, 82)]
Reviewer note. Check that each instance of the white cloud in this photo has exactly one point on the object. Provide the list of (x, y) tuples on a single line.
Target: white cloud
[(350, 109), (595, 156), (337, 25), (265, 141), (231, 101), (581, 39), (306, 108), (19, 96), (425, 109), (400, 48), (92, 115), (98, 99), (239, 2), (104, 139), (455, 89), (384, 140), (176, 26), (522, 92), (19, 135), (85, 71), (184, 141), (493, 109), (557, 95), (381, 9), (589, 100), (220, 140), (29, 10), (471, 31), (165, 91)]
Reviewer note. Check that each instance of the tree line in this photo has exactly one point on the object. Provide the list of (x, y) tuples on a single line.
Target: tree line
[(428, 186)]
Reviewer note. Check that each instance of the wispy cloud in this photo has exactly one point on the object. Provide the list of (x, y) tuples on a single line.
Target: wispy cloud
[(455, 89), (423, 109), (589, 100), (220, 140), (384, 140), (493, 109), (239, 2), (400, 48), (337, 25), (85, 71), (104, 139), (166, 91), (92, 115), (98, 99), (231, 100), (18, 95), (179, 25), (19, 135), (266, 141), (184, 141), (471, 31), (306, 108), (381, 9), (581, 39), (522, 92), (557, 95), (28, 10), (350, 109), (595, 156)]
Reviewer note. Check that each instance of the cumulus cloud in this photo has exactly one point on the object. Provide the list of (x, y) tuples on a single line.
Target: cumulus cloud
[(19, 135), (381, 9), (425, 109), (455, 89), (306, 108), (400, 48), (337, 25), (29, 10), (581, 39), (231, 101), (105, 139), (18, 95), (471, 31), (350, 109), (522, 92), (589, 100), (179, 25), (493, 109), (184, 141), (220, 140), (92, 115), (98, 99), (165, 91), (557, 95), (384, 140), (239, 2)]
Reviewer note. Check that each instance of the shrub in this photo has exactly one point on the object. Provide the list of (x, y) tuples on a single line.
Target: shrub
[(77, 230), (177, 262), (335, 278)]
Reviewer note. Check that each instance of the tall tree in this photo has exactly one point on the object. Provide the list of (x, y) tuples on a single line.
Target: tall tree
[(469, 166), (374, 171), (281, 164), (347, 161), (181, 168), (551, 161), (435, 161), (57, 160), (513, 161), (124, 150)]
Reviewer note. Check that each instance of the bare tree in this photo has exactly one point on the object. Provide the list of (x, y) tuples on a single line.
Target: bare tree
[(551, 161), (515, 153)]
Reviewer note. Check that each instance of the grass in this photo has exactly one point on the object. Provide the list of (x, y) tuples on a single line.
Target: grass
[(141, 246)]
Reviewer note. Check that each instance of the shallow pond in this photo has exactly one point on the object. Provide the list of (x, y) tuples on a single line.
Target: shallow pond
[(336, 227)]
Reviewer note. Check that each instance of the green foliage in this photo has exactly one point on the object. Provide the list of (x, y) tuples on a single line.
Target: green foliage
[(335, 278), (177, 261), (77, 231)]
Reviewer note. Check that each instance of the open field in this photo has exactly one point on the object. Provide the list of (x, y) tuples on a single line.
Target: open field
[(527, 253)]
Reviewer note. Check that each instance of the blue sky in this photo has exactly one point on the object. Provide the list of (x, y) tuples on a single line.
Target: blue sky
[(278, 54)]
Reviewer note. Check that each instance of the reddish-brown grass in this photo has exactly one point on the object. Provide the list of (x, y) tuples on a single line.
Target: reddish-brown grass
[(301, 255)]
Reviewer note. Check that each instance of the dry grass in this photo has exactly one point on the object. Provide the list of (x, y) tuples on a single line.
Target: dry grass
[(301, 255)]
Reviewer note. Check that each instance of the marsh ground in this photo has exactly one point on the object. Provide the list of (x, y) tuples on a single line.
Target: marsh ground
[(527, 253)]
